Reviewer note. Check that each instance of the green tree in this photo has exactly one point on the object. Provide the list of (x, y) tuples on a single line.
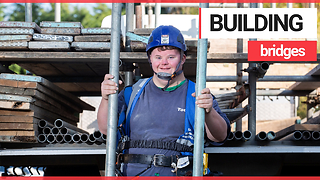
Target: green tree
[(2, 15), (302, 107), (100, 12), (19, 13)]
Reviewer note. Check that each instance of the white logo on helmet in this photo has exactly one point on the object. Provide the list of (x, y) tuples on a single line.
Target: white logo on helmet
[(164, 39)]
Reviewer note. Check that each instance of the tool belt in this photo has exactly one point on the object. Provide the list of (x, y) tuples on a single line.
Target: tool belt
[(156, 160)]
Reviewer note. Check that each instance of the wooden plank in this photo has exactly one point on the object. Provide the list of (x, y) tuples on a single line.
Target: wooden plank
[(95, 38), (8, 31), (14, 105), (50, 85), (143, 31), (138, 46), (36, 45), (50, 37), (91, 46), (52, 116), (91, 31), (61, 31), (19, 133), (99, 68), (18, 126), (6, 112), (20, 24), (45, 69), (65, 112), (15, 37), (52, 24), (16, 119), (66, 68), (11, 45), (84, 70), (36, 112), (19, 98), (18, 139), (53, 99)]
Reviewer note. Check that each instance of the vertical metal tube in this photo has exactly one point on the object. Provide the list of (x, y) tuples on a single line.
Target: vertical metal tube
[(157, 12), (150, 13), (57, 12), (252, 97), (113, 98), (129, 28), (200, 112), (128, 78), (129, 23), (239, 73), (311, 5), (28, 12)]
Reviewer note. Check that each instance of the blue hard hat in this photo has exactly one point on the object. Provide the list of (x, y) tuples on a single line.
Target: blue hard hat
[(166, 36)]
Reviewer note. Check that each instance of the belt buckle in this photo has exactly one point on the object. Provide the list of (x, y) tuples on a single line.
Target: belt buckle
[(155, 157)]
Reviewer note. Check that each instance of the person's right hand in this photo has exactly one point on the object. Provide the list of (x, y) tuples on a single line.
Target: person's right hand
[(108, 87)]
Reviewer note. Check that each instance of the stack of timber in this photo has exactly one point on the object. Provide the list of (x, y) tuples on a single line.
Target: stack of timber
[(139, 46), (54, 36), (24, 100), (93, 39), (15, 35)]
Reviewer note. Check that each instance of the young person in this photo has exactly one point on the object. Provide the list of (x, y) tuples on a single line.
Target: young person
[(160, 119)]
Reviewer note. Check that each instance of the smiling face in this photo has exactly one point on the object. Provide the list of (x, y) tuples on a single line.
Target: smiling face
[(166, 59)]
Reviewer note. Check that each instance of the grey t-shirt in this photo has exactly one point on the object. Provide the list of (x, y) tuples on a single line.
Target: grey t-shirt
[(158, 115)]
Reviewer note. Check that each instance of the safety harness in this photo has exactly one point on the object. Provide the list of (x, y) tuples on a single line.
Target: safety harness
[(184, 144)]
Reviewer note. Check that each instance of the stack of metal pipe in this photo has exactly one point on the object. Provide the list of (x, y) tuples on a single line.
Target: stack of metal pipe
[(265, 136), (240, 136), (63, 132), (306, 135)]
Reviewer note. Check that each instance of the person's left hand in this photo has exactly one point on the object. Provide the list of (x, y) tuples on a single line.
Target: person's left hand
[(204, 100)]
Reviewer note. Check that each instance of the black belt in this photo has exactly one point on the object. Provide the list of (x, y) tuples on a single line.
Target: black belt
[(156, 160)]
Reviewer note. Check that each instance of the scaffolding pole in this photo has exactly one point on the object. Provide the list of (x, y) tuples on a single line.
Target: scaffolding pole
[(28, 12), (253, 87), (200, 112), (113, 98)]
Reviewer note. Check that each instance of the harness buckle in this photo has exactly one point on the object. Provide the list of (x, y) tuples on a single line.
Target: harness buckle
[(155, 157)]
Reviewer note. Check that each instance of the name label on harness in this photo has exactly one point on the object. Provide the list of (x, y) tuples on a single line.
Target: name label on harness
[(183, 162)]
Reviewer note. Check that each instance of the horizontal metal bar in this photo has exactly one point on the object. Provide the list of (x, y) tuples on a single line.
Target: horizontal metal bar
[(265, 78)]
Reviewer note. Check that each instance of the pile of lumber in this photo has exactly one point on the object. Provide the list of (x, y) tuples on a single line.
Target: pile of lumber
[(53, 36), (24, 100)]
